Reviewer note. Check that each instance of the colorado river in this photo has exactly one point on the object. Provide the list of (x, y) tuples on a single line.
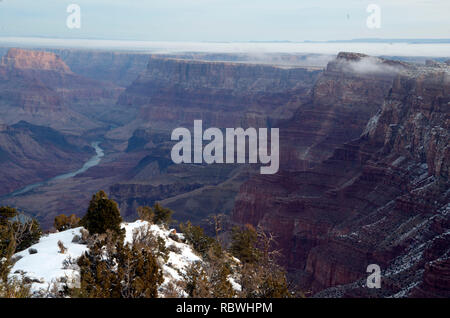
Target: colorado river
[(95, 160)]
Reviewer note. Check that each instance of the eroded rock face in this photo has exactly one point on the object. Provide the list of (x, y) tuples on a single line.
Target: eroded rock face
[(119, 68), (343, 99), (381, 198), (174, 92), (27, 59), (40, 88), (30, 153)]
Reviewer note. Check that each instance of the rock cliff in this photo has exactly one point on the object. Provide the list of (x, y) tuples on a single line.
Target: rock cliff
[(40, 88), (380, 198)]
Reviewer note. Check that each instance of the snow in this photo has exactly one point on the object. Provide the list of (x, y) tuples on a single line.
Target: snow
[(46, 267), (236, 286), (177, 262)]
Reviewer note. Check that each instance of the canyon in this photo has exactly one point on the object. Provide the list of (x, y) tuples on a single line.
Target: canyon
[(378, 198), (364, 155)]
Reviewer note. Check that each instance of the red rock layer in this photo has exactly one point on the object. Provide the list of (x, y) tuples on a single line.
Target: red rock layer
[(174, 92), (375, 199)]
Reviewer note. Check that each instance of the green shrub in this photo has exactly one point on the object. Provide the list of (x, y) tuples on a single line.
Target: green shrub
[(146, 213), (195, 235), (162, 215), (156, 215), (63, 222), (244, 244), (103, 214), (113, 270)]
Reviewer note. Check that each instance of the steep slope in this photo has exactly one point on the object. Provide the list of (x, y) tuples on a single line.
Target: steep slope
[(175, 92), (31, 153), (345, 96), (119, 68), (382, 198), (48, 269), (40, 88)]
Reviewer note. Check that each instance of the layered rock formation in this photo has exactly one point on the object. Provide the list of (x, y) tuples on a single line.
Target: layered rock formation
[(119, 68), (381, 198), (40, 88), (21, 59), (49, 117), (30, 153), (343, 99), (175, 92)]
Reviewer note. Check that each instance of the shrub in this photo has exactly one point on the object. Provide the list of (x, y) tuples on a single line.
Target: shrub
[(14, 288), (6, 213), (63, 222), (196, 236), (196, 281), (26, 233), (62, 248), (162, 215), (260, 275), (145, 238), (103, 214), (145, 213), (113, 270), (18, 230), (244, 244), (156, 215)]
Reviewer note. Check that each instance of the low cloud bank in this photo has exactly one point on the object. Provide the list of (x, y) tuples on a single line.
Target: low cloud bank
[(370, 65), (377, 49)]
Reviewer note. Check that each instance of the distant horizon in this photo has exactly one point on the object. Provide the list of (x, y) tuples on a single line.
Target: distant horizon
[(375, 46), (349, 40)]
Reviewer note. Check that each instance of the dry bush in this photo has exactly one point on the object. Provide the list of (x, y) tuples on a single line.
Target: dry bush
[(62, 248), (14, 288)]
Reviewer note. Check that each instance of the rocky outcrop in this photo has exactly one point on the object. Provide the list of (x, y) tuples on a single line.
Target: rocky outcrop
[(26, 59), (374, 200), (40, 88), (175, 92), (119, 68), (30, 153), (344, 97)]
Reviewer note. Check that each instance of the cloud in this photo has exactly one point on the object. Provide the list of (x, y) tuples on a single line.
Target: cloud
[(371, 65), (257, 48)]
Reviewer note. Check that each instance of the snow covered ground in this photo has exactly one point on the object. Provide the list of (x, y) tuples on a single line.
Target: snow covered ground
[(177, 262), (46, 267)]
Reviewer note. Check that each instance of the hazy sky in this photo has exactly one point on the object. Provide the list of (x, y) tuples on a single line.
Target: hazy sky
[(225, 20)]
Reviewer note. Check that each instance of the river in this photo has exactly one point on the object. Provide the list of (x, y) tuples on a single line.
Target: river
[(95, 160)]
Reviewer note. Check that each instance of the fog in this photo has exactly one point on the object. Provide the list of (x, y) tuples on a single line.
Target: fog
[(376, 49), (370, 65)]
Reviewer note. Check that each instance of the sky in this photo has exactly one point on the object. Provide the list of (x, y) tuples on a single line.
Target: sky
[(225, 20)]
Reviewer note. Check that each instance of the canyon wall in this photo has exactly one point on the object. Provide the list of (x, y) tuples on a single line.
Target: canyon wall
[(175, 92), (119, 68), (381, 198), (40, 88), (30, 153)]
